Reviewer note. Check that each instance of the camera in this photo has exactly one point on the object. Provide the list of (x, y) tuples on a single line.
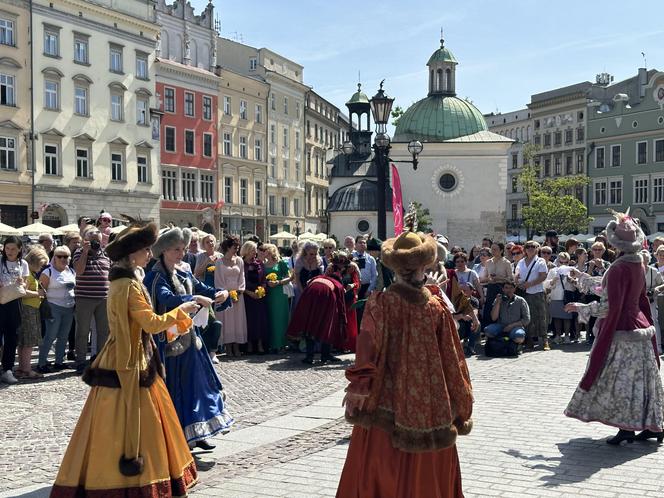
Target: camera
[(95, 245), (361, 263)]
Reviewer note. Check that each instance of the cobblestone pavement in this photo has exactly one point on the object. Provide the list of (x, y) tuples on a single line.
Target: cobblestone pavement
[(40, 416), (521, 444)]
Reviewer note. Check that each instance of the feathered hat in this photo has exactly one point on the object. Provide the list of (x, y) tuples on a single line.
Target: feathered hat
[(624, 233), (410, 250), (169, 237), (135, 237)]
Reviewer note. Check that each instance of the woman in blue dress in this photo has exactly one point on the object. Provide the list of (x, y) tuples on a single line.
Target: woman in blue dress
[(191, 378)]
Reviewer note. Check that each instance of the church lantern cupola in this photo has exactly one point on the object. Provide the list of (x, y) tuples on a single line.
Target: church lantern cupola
[(442, 68)]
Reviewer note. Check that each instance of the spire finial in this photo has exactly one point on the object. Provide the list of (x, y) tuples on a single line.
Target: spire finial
[(442, 41)]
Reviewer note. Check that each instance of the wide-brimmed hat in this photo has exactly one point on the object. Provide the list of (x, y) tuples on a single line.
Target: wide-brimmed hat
[(409, 251), (132, 239), (169, 237)]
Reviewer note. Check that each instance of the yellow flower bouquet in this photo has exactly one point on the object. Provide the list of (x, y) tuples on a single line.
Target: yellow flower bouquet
[(260, 292), (233, 295), (271, 277), (210, 269)]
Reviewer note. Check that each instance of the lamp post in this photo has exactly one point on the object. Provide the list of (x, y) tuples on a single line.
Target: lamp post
[(297, 228), (381, 107)]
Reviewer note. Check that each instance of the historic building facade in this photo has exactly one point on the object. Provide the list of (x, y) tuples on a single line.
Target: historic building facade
[(187, 93), (625, 144), (461, 177), (285, 129), (322, 135), (517, 126), (16, 202), (242, 157), (94, 86)]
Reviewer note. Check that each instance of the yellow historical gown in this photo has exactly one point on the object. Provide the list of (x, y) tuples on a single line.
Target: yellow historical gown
[(128, 419)]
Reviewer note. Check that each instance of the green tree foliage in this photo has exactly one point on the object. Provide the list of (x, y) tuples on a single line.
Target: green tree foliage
[(551, 203), (396, 113), (424, 220)]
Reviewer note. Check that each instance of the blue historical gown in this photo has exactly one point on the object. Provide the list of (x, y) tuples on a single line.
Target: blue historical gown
[(191, 379)]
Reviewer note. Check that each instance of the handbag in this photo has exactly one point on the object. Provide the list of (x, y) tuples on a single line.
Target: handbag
[(522, 292), (11, 292), (288, 289)]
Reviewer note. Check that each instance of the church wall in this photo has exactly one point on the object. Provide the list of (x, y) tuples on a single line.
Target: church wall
[(475, 207), (344, 223)]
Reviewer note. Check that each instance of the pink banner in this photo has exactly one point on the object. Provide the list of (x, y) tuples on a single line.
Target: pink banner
[(397, 201)]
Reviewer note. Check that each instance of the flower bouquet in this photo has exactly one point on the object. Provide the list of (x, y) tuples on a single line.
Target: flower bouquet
[(260, 292), (271, 277), (233, 295), (210, 269)]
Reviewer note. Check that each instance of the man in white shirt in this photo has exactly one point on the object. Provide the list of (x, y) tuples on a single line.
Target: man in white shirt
[(368, 272), (531, 272)]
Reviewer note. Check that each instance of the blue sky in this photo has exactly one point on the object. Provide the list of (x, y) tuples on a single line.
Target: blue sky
[(506, 50)]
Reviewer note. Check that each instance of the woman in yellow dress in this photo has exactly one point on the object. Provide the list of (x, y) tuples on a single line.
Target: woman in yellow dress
[(128, 436)]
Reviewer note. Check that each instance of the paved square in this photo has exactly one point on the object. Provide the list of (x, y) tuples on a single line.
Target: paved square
[(291, 439)]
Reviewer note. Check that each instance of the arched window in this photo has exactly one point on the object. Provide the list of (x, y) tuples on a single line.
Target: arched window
[(439, 80), (448, 80), (165, 47)]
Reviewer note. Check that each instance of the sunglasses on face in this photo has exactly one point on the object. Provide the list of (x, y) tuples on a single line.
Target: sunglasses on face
[(61, 256)]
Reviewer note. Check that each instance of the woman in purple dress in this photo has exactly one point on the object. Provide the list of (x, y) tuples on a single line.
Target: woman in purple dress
[(255, 304)]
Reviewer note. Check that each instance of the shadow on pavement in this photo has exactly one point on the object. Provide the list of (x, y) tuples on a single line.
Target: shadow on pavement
[(582, 457), (204, 465), (36, 493)]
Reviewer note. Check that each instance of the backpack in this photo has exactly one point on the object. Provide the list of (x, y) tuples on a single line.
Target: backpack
[(500, 347)]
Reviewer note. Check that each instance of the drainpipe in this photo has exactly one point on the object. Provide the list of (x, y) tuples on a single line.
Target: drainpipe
[(32, 113)]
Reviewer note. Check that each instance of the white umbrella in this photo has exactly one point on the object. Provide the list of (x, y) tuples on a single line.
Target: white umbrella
[(591, 240), (307, 236), (73, 227), (283, 235), (653, 236), (39, 228), (538, 238), (9, 230), (320, 237), (118, 229)]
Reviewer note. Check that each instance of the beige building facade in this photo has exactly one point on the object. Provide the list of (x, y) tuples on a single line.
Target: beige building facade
[(15, 168), (517, 126), (242, 159), (322, 137), (94, 87), (285, 129)]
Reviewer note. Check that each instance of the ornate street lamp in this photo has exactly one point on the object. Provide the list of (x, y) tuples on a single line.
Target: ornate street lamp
[(381, 108), (297, 228)]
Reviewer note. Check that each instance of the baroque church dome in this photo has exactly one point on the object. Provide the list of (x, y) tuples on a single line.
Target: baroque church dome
[(441, 115)]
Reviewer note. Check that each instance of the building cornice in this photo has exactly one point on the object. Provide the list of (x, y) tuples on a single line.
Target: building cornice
[(185, 76), (97, 26), (287, 81)]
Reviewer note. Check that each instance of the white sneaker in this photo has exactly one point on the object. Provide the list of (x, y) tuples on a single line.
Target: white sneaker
[(214, 359), (8, 377)]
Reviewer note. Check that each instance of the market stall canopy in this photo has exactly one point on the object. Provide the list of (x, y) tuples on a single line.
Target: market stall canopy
[(73, 227), (39, 228), (118, 229), (9, 230), (283, 235)]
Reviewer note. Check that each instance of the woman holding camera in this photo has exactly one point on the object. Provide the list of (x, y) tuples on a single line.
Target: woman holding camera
[(59, 281)]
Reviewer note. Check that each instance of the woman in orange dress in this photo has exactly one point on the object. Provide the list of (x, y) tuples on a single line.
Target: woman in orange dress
[(409, 394), (128, 440)]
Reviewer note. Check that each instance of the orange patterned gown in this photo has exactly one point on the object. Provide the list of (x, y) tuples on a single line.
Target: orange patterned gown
[(409, 396)]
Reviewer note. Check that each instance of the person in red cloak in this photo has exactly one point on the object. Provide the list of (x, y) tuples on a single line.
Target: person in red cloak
[(344, 269), (320, 316), (621, 386)]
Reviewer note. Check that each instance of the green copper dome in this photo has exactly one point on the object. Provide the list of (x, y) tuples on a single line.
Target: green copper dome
[(358, 97), (442, 55), (438, 118)]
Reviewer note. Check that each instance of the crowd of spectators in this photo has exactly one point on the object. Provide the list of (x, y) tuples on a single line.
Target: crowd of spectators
[(502, 291)]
